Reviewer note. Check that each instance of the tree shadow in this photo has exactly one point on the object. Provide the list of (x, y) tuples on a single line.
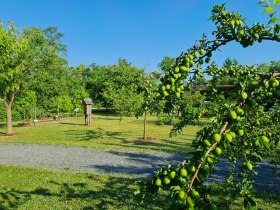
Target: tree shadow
[(95, 193), (139, 165), (99, 133)]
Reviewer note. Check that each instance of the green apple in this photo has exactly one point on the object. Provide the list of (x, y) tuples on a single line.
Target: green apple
[(228, 137), (244, 95), (183, 172), (201, 51), (166, 180), (265, 139), (194, 194), (232, 134), (239, 111), (167, 86), (181, 194), (249, 166), (217, 137), (158, 182), (207, 143), (190, 201), (240, 132), (192, 168), (218, 151), (232, 115), (172, 174), (165, 93)]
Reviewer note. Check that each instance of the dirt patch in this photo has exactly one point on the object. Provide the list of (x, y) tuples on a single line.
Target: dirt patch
[(12, 134), (148, 138)]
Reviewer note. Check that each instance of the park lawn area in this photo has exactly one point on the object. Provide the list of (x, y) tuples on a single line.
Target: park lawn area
[(106, 133), (29, 188)]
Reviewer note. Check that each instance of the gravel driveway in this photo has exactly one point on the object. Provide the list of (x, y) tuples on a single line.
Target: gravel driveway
[(124, 163)]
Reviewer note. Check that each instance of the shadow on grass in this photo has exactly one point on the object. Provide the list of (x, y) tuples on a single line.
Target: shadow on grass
[(163, 145), (99, 133), (116, 193), (113, 193)]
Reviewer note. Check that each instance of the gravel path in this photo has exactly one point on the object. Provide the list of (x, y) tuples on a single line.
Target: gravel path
[(124, 163)]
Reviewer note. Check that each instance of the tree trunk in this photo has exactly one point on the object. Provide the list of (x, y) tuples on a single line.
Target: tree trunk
[(9, 117), (145, 125)]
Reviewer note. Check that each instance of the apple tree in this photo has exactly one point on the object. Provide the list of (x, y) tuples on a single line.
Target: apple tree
[(244, 130), (150, 103)]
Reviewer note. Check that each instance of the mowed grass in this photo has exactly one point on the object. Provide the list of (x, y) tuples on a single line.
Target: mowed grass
[(106, 133), (27, 188)]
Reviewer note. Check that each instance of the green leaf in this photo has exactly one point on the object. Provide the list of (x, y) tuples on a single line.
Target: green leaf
[(268, 10), (273, 20), (137, 192), (276, 2)]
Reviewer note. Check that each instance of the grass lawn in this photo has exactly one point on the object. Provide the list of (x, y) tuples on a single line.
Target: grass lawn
[(106, 133), (26, 188)]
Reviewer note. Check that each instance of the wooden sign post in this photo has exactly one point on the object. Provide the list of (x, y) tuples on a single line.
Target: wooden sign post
[(87, 110)]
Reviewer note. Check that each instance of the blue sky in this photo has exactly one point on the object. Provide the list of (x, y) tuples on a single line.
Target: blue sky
[(141, 31)]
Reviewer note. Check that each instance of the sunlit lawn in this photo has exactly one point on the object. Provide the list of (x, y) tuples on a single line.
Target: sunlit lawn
[(106, 133)]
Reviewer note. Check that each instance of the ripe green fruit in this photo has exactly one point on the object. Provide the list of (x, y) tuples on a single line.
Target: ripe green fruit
[(265, 139), (232, 23), (209, 160), (232, 115), (167, 86), (165, 93), (182, 194), (190, 201), (201, 51), (266, 84), (172, 174), (183, 172), (184, 68), (207, 143), (192, 168), (232, 134), (228, 137), (194, 194), (178, 94), (163, 88), (166, 180), (216, 42), (249, 166), (239, 111), (218, 151), (196, 55), (240, 132), (217, 137), (244, 95), (177, 69), (274, 83), (158, 182)]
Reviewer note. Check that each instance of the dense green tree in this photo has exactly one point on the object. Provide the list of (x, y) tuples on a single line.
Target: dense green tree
[(123, 88), (15, 52), (106, 84)]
